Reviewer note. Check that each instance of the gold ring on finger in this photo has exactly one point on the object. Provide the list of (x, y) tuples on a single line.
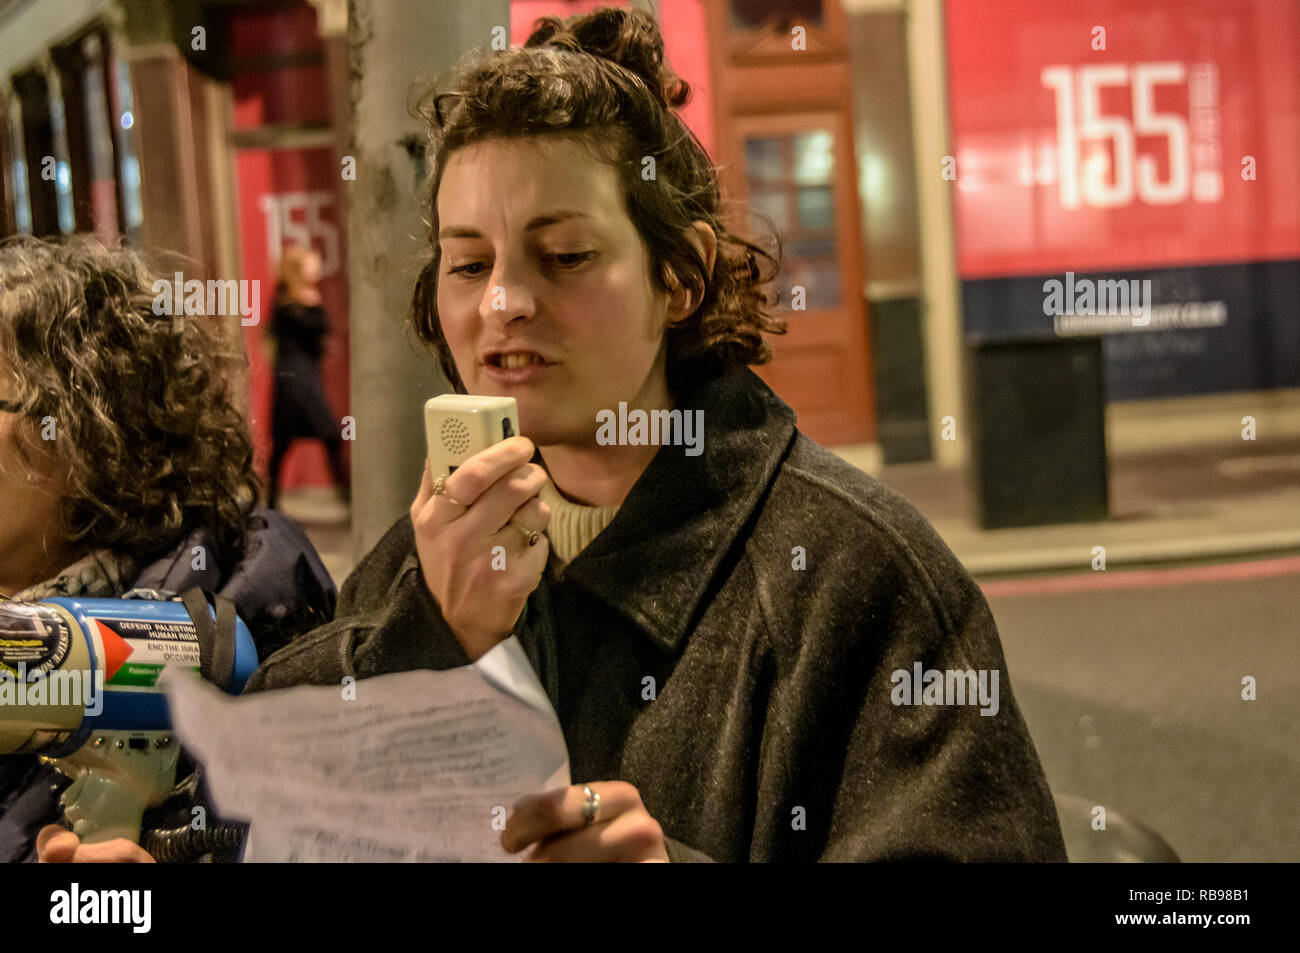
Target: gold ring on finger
[(440, 489), (531, 535)]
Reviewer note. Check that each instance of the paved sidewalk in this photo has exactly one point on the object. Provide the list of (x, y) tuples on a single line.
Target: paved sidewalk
[(1201, 503)]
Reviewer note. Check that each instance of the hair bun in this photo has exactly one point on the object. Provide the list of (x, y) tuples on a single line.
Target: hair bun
[(629, 37)]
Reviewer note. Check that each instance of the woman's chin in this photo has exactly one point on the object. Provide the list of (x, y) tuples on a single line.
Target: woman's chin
[(547, 432), (542, 436)]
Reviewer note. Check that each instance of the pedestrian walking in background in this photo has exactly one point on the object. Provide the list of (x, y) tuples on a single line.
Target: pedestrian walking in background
[(299, 406)]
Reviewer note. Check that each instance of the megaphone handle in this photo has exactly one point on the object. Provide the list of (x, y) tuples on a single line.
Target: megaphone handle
[(114, 783), (107, 806)]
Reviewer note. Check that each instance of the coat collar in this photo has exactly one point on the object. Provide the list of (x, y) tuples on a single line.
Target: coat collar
[(661, 554)]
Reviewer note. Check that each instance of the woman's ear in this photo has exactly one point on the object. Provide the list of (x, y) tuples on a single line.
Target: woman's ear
[(685, 299), (701, 236)]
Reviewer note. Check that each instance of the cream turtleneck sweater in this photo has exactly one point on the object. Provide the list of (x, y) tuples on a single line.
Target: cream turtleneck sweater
[(573, 525)]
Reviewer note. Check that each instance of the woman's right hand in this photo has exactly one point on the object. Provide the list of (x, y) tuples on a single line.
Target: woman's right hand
[(490, 501)]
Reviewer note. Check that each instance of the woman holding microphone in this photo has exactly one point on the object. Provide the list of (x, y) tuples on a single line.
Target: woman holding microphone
[(719, 631)]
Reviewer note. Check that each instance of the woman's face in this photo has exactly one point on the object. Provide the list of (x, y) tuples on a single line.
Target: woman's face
[(541, 262)]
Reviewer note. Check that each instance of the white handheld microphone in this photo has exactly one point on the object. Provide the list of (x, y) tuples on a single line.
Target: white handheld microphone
[(457, 426)]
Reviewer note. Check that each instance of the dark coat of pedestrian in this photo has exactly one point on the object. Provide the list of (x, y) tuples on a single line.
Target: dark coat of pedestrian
[(299, 407)]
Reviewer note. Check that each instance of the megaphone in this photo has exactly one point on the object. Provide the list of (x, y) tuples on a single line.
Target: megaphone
[(79, 685)]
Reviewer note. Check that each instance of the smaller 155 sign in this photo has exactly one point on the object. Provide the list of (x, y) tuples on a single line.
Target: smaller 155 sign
[(1092, 173), (295, 218)]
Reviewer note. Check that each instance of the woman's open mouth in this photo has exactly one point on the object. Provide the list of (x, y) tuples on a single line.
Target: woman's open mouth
[(516, 360), (517, 367)]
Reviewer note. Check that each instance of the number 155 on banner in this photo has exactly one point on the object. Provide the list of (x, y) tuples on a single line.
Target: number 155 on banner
[(1098, 159)]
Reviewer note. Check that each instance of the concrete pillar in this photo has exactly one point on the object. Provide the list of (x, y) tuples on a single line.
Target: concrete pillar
[(927, 59), (393, 44)]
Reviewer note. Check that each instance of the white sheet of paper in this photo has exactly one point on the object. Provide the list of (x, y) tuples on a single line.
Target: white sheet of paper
[(417, 768)]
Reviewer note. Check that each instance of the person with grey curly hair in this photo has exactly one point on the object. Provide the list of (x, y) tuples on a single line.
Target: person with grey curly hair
[(126, 437), (122, 453)]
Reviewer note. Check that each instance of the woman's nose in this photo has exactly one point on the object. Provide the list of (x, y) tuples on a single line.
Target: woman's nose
[(506, 299)]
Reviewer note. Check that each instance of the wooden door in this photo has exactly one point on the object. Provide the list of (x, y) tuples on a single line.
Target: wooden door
[(785, 125), (797, 176)]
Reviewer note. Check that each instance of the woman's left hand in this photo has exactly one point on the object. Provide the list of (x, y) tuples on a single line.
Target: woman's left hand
[(623, 830)]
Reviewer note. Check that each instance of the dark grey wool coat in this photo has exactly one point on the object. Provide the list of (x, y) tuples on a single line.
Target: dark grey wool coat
[(749, 701)]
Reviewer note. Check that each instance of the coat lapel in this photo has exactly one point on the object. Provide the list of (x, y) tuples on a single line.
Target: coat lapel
[(660, 555)]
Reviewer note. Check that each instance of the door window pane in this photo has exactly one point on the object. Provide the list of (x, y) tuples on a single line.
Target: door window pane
[(791, 180), (752, 14), (814, 157), (774, 203), (816, 211), (764, 161)]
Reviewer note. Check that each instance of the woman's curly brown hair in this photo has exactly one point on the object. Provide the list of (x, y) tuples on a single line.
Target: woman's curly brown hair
[(600, 78), (143, 425)]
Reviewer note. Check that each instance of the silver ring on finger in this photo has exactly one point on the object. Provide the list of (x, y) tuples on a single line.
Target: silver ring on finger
[(590, 807)]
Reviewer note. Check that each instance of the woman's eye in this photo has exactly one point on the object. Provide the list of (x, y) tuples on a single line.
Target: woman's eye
[(465, 269), (572, 259)]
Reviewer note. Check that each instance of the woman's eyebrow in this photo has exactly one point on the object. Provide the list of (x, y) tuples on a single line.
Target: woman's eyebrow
[(540, 221)]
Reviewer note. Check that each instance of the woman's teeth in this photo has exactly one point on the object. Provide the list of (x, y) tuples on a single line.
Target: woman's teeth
[(517, 360)]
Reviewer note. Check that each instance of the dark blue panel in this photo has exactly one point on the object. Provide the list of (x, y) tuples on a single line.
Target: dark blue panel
[(1256, 348)]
